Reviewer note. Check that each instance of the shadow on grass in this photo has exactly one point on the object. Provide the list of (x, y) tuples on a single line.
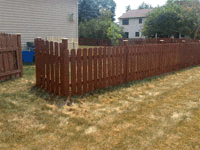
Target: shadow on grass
[(54, 99)]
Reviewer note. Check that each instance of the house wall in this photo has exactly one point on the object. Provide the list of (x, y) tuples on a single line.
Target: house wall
[(133, 27), (39, 18)]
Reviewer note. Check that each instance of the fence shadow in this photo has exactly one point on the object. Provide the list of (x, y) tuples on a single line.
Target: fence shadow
[(60, 101)]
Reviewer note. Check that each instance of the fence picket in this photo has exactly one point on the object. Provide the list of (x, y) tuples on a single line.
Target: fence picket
[(73, 72), (65, 68), (95, 67), (57, 74), (51, 57), (104, 83), (113, 67), (109, 67), (79, 72), (85, 70), (48, 66), (116, 66), (100, 74), (90, 70), (42, 63)]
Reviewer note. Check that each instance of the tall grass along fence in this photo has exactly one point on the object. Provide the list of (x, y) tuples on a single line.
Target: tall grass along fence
[(94, 42), (77, 72), (10, 56)]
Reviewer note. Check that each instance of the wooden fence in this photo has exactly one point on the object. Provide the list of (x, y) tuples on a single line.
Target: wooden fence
[(71, 73), (94, 42), (155, 41), (10, 56)]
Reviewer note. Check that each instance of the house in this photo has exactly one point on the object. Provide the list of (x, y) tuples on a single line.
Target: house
[(133, 22), (51, 19)]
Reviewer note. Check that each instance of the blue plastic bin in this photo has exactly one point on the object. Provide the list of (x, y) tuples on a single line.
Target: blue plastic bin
[(28, 56)]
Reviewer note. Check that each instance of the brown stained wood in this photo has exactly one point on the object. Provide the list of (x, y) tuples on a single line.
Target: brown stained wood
[(148, 61), (36, 41), (42, 62), (73, 72), (113, 66), (8, 50), (138, 64), (104, 82), (79, 71), (95, 67), (11, 55), (11, 63), (5, 74), (1, 63), (48, 66), (109, 66), (142, 62), (126, 63), (159, 59), (5, 57), (156, 54), (85, 70), (100, 73), (120, 66), (65, 68), (131, 63), (52, 67), (164, 59), (90, 70), (57, 74), (134, 64), (39, 64), (19, 54), (117, 65), (154, 63)]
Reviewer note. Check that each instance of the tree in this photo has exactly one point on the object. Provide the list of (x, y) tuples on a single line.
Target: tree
[(145, 6), (102, 28), (109, 4), (91, 8), (105, 14), (169, 20), (192, 6), (128, 8), (114, 32), (87, 9)]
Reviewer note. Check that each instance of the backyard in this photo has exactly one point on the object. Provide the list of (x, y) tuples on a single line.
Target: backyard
[(156, 113)]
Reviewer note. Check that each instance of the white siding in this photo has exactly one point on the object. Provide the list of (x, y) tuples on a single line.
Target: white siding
[(39, 18), (133, 27)]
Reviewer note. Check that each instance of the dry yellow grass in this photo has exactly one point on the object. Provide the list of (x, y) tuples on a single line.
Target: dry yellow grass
[(158, 113)]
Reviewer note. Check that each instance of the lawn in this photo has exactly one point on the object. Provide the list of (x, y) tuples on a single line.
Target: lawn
[(156, 113)]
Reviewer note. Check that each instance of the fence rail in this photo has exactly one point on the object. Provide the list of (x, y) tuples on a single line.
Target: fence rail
[(156, 41), (95, 42), (10, 56), (85, 70)]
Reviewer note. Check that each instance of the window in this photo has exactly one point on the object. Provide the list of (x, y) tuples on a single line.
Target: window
[(140, 20), (125, 22), (137, 34), (125, 35)]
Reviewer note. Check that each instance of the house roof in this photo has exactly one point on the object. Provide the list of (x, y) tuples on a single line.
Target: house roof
[(136, 13)]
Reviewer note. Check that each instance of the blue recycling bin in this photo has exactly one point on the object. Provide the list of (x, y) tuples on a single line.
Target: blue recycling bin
[(28, 56)]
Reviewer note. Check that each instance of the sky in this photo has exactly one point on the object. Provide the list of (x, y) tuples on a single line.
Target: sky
[(121, 5)]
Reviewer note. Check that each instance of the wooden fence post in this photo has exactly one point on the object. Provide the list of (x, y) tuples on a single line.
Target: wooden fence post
[(126, 66), (65, 68), (19, 55), (37, 51)]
